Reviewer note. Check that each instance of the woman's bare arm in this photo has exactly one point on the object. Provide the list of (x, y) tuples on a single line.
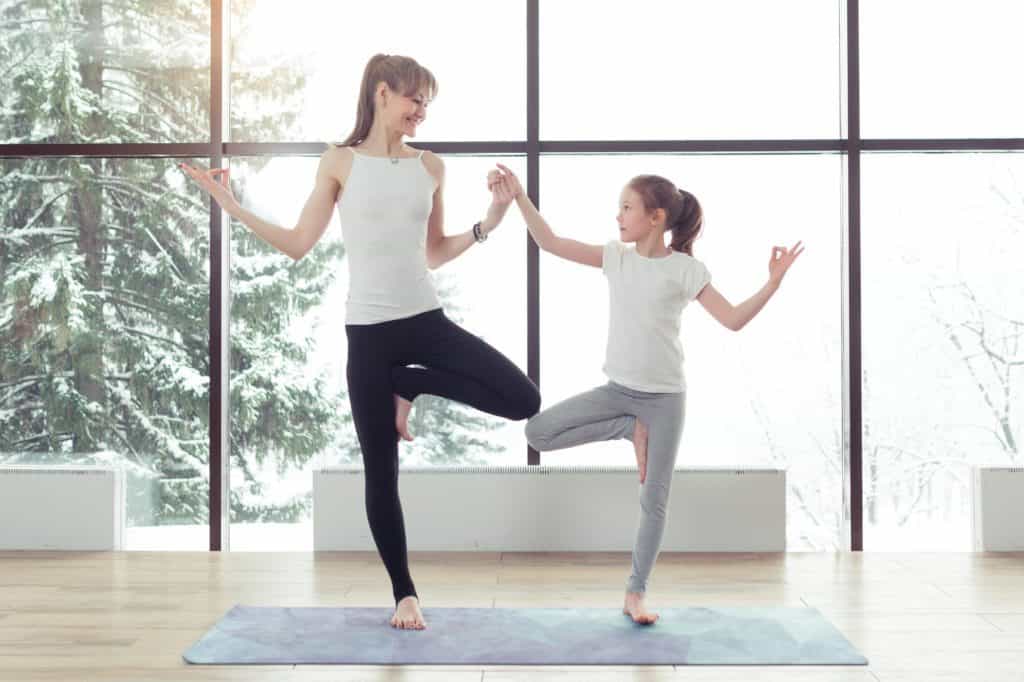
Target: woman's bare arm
[(313, 221)]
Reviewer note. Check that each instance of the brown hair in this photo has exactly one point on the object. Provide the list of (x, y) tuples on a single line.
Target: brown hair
[(402, 74), (683, 214)]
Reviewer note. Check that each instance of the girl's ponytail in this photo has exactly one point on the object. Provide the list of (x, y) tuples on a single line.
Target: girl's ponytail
[(687, 223), (683, 214)]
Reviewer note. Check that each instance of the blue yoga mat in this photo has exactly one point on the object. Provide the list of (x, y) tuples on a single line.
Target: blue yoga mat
[(682, 636)]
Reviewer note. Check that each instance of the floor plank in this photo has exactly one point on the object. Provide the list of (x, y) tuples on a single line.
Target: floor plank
[(130, 616)]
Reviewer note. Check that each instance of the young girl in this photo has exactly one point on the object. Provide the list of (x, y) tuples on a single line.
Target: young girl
[(644, 401), (389, 198)]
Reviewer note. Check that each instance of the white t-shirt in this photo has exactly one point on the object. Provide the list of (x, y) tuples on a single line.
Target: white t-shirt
[(646, 299)]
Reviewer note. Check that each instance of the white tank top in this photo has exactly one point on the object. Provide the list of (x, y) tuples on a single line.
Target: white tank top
[(384, 208)]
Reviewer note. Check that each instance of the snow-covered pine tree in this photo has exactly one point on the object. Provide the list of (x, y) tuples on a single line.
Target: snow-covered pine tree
[(104, 270)]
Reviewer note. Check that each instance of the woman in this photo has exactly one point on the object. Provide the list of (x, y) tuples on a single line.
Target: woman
[(389, 199)]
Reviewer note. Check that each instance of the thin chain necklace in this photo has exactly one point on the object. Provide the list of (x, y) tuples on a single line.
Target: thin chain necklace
[(393, 159)]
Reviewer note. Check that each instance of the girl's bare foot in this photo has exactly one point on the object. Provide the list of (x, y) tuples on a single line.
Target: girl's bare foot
[(640, 447), (408, 615), (634, 608), (402, 409)]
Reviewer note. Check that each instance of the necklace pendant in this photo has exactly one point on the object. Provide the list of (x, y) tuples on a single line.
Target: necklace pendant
[(394, 161)]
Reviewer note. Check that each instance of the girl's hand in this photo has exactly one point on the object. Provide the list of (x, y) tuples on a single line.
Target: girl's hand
[(215, 181), (781, 259), (511, 180)]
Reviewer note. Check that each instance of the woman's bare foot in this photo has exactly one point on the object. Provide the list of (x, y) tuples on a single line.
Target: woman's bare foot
[(402, 409), (640, 447), (634, 608), (408, 615)]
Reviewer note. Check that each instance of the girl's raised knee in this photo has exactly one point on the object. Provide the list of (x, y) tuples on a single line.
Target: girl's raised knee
[(534, 434)]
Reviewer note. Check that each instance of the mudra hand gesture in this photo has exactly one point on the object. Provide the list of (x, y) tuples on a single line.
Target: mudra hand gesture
[(781, 259), (216, 182)]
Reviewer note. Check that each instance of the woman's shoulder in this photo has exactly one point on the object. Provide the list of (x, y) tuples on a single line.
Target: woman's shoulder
[(432, 162), (338, 159), (430, 159), (339, 149)]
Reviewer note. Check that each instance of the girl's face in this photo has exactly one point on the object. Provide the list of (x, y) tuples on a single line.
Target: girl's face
[(634, 222), (406, 113)]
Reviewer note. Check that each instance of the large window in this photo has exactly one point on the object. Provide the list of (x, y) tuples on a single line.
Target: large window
[(290, 409), (296, 70), (104, 286), (941, 69), (655, 70), (943, 331), (763, 397), (140, 328), (104, 72)]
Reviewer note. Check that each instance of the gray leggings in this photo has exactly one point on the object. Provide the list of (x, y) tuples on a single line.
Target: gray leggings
[(609, 412)]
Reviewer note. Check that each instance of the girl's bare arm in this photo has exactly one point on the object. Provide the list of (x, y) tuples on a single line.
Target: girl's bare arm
[(563, 247)]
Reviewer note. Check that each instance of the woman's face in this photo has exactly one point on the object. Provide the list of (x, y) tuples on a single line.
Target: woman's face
[(406, 112)]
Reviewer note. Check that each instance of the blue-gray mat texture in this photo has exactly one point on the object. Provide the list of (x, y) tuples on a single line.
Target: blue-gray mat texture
[(530, 636)]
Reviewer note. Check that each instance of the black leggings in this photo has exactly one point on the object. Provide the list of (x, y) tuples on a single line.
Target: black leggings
[(456, 365)]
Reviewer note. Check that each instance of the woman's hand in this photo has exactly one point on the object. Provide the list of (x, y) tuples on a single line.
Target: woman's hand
[(215, 181), (501, 199), (781, 259), (493, 176)]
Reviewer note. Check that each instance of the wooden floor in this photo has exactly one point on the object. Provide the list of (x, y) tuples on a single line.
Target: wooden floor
[(130, 616)]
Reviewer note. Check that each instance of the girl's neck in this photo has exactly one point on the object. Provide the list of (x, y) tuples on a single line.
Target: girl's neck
[(652, 246)]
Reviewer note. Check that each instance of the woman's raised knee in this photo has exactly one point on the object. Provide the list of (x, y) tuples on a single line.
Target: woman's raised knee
[(528, 405)]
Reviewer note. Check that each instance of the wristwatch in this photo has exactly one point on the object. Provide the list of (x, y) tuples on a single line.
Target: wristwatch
[(478, 234)]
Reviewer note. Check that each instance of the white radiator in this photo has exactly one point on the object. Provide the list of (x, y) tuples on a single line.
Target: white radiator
[(998, 503), (547, 508), (61, 507)]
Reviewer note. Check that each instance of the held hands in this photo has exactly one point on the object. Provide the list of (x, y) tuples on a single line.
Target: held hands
[(215, 181), (781, 259), (502, 197), (505, 177)]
